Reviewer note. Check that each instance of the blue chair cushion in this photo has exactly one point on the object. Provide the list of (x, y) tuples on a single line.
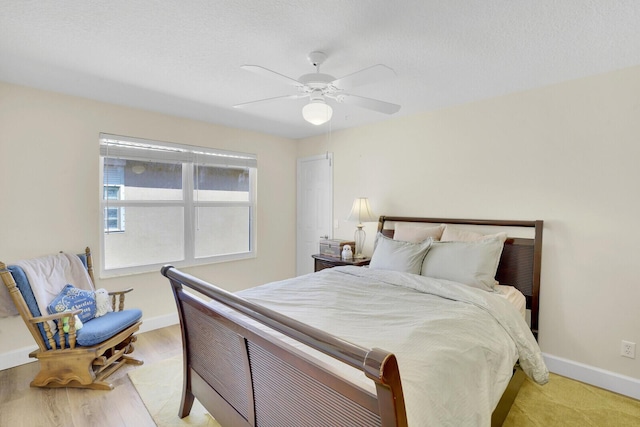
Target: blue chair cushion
[(102, 328), (83, 258), (24, 287)]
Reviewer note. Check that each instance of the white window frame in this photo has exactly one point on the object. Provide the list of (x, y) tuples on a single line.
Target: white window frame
[(130, 148)]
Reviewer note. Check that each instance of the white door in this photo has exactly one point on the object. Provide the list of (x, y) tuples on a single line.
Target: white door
[(315, 207)]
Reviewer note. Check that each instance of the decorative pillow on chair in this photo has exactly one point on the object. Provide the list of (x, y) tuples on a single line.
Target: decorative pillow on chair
[(72, 298), (398, 255)]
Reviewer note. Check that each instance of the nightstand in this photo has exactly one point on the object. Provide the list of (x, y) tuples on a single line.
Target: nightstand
[(324, 261)]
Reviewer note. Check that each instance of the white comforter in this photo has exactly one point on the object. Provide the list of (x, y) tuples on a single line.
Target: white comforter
[(455, 345)]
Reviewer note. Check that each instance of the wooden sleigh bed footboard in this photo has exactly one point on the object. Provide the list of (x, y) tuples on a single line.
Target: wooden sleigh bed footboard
[(246, 377)]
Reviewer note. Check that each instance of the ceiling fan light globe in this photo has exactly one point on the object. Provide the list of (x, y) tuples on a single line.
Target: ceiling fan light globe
[(317, 112)]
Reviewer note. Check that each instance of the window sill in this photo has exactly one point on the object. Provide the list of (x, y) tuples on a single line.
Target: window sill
[(155, 268)]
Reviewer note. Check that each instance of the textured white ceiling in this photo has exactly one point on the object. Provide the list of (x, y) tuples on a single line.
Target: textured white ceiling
[(183, 57)]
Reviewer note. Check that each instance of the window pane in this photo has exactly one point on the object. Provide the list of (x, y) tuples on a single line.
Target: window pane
[(222, 231), (112, 192), (153, 235), (114, 219), (140, 180), (220, 184)]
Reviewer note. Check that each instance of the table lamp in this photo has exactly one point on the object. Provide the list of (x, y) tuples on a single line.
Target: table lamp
[(361, 212)]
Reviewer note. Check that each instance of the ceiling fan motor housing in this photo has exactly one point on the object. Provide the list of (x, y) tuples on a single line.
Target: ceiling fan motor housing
[(316, 80)]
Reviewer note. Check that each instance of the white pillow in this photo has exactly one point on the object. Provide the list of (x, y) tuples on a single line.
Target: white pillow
[(398, 255), (416, 233), (471, 263), (453, 234)]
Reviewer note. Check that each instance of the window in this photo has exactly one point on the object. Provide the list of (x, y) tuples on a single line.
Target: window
[(184, 205), (113, 217)]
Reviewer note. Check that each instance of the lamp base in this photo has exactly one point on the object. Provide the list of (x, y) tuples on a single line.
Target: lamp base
[(359, 237)]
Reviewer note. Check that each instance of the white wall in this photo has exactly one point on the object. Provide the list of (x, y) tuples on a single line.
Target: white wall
[(568, 154), (50, 193)]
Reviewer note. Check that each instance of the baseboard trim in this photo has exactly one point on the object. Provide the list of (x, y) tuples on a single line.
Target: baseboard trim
[(607, 380), (159, 322), (20, 356), (16, 357)]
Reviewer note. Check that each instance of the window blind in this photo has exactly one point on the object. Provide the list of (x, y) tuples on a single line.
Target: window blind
[(125, 147)]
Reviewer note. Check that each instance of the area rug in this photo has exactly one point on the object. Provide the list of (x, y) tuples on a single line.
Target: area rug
[(160, 387), (568, 403)]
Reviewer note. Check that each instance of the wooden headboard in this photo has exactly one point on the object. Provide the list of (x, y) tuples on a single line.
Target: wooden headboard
[(520, 261)]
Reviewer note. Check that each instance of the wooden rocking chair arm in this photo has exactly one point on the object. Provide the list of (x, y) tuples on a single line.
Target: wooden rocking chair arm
[(55, 316), (117, 299), (126, 291)]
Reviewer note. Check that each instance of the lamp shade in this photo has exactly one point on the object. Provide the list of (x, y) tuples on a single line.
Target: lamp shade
[(361, 211), (317, 112)]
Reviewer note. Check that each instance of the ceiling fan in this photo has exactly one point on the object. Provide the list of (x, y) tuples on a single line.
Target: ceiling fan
[(318, 86)]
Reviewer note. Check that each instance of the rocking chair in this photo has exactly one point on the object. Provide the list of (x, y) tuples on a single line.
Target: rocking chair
[(69, 356)]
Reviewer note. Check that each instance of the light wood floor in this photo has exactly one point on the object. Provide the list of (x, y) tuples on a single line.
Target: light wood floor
[(22, 405)]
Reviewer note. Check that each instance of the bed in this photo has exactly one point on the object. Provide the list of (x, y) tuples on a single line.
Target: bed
[(379, 345)]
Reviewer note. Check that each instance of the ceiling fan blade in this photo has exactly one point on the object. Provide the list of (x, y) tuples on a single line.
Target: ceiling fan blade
[(267, 100), (368, 75), (371, 104), (271, 74)]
